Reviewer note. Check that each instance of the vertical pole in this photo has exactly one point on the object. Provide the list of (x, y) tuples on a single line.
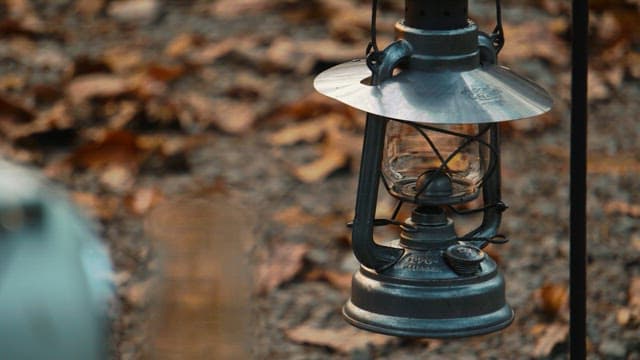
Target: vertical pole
[(578, 197)]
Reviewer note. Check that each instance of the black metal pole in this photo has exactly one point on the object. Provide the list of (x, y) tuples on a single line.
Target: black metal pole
[(578, 197)]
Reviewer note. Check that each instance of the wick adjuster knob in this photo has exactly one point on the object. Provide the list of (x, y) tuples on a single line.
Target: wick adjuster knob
[(464, 259)]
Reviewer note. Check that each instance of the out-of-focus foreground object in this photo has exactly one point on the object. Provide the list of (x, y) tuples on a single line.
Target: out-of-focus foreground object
[(434, 99), (203, 311), (54, 274)]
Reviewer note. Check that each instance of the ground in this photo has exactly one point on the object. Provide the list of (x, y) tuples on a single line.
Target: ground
[(190, 132)]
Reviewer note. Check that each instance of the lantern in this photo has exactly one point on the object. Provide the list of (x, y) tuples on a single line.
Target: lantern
[(434, 99)]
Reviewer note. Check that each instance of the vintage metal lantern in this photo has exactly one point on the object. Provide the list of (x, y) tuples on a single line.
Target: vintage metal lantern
[(434, 99)]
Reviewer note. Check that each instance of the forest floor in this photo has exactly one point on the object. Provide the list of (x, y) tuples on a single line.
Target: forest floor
[(191, 133)]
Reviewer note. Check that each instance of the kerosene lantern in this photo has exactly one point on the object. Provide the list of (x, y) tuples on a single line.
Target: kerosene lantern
[(433, 99)]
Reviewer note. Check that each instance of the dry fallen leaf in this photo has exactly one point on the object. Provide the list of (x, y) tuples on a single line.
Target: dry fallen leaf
[(182, 44), (122, 59), (283, 264), (339, 280), (631, 313), (310, 131), (91, 86), (622, 208), (332, 159), (619, 164), (143, 11), (552, 335), (89, 8), (553, 298), (233, 8), (344, 340), (14, 109), (231, 116), (294, 216), (114, 148), (142, 200), (533, 39), (57, 117), (311, 105), (117, 178)]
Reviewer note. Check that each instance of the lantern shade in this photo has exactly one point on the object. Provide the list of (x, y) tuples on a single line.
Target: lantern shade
[(487, 94)]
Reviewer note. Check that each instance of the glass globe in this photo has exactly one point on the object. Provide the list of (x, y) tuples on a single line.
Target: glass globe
[(429, 167)]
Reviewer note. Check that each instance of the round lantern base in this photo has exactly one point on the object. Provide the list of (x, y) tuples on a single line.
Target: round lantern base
[(428, 328), (420, 296)]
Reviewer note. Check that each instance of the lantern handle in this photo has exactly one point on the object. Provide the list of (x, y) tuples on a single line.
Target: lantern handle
[(382, 63), (368, 253), (497, 35)]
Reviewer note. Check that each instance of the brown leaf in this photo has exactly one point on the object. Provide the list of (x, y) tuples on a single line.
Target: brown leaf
[(142, 200), (103, 207), (165, 72), (344, 340), (114, 148), (553, 298), (250, 87), (27, 19), (14, 109), (294, 216), (622, 208), (533, 125), (633, 64), (182, 44), (89, 8), (125, 112), (91, 86), (122, 59), (613, 165), (283, 264), (339, 280), (634, 291), (598, 88), (212, 52), (139, 11), (533, 39), (117, 178), (12, 82), (331, 160), (310, 131), (231, 116), (301, 55), (57, 117), (553, 334), (233, 8)]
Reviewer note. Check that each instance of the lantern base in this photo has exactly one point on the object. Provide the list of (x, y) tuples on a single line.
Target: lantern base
[(420, 296), (428, 328)]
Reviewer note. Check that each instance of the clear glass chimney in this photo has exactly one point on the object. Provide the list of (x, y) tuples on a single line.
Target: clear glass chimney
[(435, 165)]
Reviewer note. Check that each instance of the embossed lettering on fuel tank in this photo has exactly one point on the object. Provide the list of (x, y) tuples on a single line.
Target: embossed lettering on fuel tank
[(419, 262)]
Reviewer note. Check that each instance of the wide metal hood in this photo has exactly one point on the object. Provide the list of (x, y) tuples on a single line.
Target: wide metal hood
[(486, 94)]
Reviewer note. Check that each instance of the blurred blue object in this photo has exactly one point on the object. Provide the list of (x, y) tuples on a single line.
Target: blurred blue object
[(54, 274)]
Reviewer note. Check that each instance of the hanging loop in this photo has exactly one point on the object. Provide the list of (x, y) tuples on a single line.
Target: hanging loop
[(497, 36)]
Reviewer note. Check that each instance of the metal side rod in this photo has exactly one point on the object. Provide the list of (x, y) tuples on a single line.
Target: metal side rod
[(578, 192)]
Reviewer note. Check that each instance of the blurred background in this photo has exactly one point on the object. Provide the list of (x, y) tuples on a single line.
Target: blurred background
[(221, 183)]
